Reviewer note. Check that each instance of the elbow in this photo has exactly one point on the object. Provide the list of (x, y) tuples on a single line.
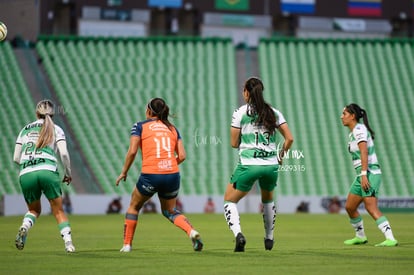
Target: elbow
[(288, 143), (235, 144)]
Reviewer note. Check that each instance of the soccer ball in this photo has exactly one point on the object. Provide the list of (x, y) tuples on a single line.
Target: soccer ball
[(3, 31)]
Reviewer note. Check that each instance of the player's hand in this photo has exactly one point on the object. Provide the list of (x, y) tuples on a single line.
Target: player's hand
[(67, 179), (122, 176), (365, 183)]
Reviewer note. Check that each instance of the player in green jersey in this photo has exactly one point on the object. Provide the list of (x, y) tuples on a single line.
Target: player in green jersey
[(366, 185), (253, 132), (36, 153)]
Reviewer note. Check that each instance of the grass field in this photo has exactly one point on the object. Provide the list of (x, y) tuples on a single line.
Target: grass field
[(305, 244)]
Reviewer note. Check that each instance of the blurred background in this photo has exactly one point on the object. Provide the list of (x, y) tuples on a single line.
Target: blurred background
[(101, 61)]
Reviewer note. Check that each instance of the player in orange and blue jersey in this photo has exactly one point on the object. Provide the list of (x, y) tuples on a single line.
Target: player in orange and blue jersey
[(162, 151)]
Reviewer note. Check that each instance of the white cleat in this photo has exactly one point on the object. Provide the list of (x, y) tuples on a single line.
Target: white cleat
[(69, 247), (126, 248), (196, 240)]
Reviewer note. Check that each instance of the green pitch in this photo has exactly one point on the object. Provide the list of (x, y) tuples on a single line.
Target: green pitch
[(305, 244)]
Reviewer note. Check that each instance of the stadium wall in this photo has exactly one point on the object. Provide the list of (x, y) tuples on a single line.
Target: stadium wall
[(97, 204)]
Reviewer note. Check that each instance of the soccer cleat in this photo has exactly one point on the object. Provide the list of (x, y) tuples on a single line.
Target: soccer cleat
[(268, 243), (69, 247), (240, 243), (126, 248), (21, 238), (356, 240), (388, 243), (196, 239)]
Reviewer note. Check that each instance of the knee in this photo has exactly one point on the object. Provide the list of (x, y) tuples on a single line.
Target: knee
[(350, 208), (171, 215)]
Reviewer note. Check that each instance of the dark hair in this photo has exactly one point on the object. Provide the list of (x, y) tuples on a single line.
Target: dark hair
[(160, 109), (359, 113), (258, 107)]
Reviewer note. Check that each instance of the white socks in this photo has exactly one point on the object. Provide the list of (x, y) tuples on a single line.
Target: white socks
[(232, 217), (385, 228), (28, 220), (269, 219)]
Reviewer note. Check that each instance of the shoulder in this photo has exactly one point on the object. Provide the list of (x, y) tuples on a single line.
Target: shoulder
[(360, 132), (280, 118), (241, 109), (58, 129), (137, 127), (359, 129), (239, 112)]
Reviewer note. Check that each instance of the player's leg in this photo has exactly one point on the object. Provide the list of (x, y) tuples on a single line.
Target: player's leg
[(267, 184), (131, 217), (240, 184), (269, 218), (351, 207), (231, 197), (50, 183), (168, 191), (168, 208), (63, 223), (32, 193), (371, 205)]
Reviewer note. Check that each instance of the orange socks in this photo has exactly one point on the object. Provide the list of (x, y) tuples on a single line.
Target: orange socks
[(130, 224), (182, 222)]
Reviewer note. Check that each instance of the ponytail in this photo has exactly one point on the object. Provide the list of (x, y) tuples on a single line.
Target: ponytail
[(47, 133), (44, 109), (258, 107)]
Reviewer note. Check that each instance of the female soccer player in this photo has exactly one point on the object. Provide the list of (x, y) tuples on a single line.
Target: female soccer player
[(368, 180), (36, 153), (162, 151), (253, 132)]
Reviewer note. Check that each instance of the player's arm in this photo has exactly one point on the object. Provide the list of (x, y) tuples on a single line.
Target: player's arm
[(235, 137), (64, 157), (180, 151), (17, 153), (363, 149), (287, 135), (134, 144)]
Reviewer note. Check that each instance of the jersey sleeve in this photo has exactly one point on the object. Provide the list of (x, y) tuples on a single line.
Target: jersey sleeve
[(360, 133), (19, 138), (59, 134), (236, 118), (178, 134), (280, 119), (136, 129)]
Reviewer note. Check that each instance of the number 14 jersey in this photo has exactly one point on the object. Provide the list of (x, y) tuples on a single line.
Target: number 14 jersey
[(158, 143)]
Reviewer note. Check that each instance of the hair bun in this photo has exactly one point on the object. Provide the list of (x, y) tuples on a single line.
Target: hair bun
[(45, 107)]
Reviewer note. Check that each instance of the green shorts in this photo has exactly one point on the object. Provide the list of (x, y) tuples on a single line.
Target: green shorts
[(374, 182), (244, 176), (36, 182)]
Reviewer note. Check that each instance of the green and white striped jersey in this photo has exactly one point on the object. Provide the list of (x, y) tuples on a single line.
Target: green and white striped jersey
[(257, 145), (360, 133), (33, 159)]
